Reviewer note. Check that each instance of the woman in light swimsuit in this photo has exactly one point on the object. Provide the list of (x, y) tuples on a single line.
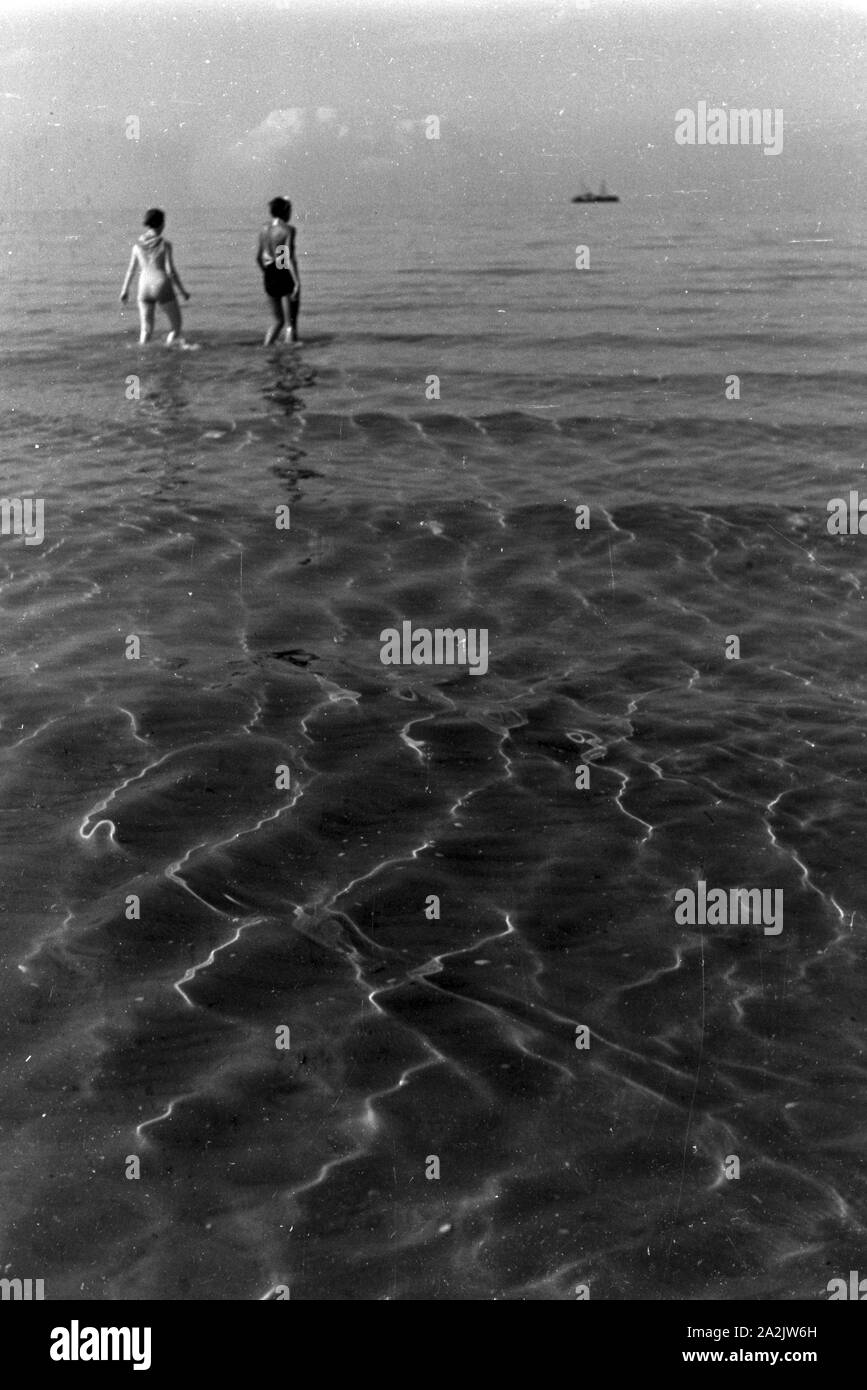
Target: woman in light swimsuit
[(275, 256), (152, 255)]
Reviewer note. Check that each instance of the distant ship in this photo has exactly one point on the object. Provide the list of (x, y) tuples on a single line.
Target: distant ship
[(603, 196)]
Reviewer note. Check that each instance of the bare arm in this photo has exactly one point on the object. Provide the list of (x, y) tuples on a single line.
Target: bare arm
[(133, 262), (293, 262), (173, 274)]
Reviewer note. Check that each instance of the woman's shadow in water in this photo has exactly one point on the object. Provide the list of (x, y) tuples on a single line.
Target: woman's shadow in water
[(168, 423), (283, 378), (165, 392)]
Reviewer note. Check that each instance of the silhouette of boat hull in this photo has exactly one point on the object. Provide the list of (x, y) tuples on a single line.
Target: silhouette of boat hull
[(596, 198)]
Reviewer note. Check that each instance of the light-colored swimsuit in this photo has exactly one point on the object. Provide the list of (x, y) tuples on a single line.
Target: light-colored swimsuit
[(154, 282)]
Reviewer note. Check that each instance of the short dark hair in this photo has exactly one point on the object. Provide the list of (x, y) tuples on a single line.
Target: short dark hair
[(280, 207), (154, 218)]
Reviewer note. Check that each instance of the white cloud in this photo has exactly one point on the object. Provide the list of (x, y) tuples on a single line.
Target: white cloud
[(279, 129), (283, 128)]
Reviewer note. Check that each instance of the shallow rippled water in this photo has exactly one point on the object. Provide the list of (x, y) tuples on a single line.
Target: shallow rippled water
[(305, 906)]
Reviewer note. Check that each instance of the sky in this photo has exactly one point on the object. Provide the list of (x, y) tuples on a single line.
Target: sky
[(198, 103)]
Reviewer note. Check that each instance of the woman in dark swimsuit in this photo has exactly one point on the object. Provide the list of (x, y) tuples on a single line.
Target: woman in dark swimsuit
[(275, 256)]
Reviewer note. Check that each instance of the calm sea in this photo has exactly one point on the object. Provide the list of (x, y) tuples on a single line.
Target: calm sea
[(254, 825)]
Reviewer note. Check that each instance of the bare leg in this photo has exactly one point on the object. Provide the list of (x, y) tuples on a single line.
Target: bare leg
[(285, 304), (294, 306), (146, 310), (273, 333), (173, 314)]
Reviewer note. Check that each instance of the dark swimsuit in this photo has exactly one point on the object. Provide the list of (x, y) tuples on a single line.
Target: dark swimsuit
[(279, 282)]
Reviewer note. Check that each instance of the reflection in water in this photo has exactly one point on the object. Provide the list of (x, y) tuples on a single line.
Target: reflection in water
[(165, 403), (165, 393), (283, 378)]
